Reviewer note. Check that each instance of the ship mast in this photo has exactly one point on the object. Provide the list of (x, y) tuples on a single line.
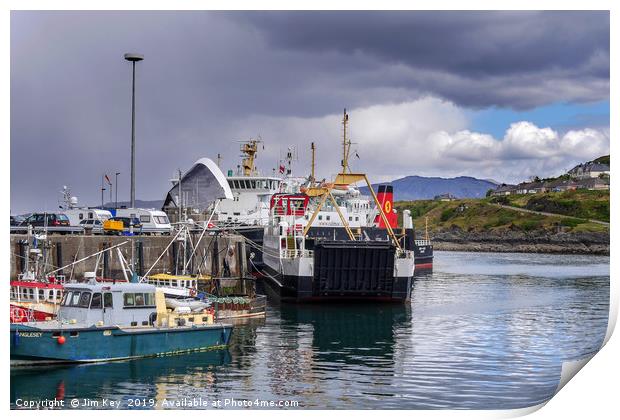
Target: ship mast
[(346, 143), (312, 178), (249, 150)]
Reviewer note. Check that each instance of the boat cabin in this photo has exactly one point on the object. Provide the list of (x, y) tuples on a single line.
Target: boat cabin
[(36, 292), (289, 204), (123, 304)]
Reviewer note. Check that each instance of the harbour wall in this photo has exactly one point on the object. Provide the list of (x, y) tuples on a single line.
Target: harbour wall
[(221, 256)]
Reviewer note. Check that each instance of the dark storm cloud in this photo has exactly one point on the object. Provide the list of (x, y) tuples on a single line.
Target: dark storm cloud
[(473, 58), (206, 74)]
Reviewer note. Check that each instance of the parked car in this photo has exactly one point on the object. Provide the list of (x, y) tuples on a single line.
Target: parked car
[(92, 224), (46, 219)]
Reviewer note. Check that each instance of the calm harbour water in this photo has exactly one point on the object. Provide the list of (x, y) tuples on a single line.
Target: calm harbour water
[(483, 331)]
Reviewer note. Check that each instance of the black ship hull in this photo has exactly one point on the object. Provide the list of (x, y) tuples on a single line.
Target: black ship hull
[(344, 271)]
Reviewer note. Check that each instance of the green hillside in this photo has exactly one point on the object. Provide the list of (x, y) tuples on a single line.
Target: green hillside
[(484, 215)]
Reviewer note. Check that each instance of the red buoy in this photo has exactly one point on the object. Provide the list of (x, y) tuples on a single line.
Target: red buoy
[(61, 339)]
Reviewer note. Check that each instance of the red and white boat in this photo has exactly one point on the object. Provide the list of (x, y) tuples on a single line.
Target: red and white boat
[(35, 300)]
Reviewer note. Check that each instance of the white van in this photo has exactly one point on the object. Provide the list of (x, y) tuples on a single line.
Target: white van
[(152, 221), (77, 216)]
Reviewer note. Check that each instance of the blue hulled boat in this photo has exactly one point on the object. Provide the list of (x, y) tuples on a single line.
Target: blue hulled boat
[(114, 321)]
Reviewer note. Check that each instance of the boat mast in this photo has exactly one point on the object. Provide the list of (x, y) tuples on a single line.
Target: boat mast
[(346, 144)]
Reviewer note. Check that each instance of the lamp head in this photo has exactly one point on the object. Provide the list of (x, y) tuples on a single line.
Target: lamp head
[(134, 57)]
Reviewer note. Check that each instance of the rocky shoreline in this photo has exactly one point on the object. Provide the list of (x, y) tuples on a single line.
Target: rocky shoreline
[(535, 242)]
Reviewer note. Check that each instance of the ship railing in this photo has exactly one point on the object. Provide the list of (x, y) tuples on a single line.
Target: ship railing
[(423, 242), (295, 253)]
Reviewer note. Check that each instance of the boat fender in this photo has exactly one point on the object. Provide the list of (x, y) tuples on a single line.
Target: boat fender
[(61, 339)]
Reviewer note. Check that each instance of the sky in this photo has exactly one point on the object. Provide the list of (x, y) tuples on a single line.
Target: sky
[(494, 95)]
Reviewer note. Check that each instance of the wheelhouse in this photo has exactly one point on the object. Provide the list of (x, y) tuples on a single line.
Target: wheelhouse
[(289, 204), (36, 292)]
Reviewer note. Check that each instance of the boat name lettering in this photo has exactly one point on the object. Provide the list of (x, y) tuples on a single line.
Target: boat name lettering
[(30, 334)]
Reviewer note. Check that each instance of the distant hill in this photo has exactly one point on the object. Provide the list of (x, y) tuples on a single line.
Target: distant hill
[(603, 160), (423, 188)]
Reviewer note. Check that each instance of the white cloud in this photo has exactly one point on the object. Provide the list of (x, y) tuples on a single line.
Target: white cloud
[(426, 137)]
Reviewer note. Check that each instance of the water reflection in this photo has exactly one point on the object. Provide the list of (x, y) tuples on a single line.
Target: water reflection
[(495, 338), (144, 378)]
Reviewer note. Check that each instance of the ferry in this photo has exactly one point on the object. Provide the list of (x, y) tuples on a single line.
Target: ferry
[(305, 269), (114, 321)]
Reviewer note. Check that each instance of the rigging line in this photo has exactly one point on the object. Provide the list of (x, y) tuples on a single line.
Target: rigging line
[(266, 274)]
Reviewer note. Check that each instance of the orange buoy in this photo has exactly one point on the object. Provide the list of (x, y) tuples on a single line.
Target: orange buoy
[(61, 339)]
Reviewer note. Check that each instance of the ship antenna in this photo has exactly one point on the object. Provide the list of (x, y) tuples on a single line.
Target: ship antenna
[(312, 178)]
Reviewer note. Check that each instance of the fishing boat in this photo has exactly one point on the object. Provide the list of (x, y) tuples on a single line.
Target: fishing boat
[(114, 321)]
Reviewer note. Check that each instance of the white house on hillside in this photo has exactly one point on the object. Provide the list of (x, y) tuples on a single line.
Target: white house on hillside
[(589, 170)]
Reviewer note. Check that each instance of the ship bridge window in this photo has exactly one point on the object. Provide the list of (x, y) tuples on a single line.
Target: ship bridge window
[(75, 299), (96, 302), (139, 300), (66, 298), (84, 301), (107, 300), (145, 219)]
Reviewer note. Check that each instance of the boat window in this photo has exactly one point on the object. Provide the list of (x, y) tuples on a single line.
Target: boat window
[(236, 184), (31, 293), (81, 216), (107, 300), (231, 183), (139, 299), (327, 217), (90, 214), (145, 219), (357, 218), (74, 299), (320, 217), (149, 299), (96, 302), (66, 298), (84, 300), (13, 294), (253, 184), (128, 299), (41, 294)]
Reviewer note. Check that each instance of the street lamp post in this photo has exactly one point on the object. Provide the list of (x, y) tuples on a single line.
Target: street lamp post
[(133, 57), (116, 190)]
